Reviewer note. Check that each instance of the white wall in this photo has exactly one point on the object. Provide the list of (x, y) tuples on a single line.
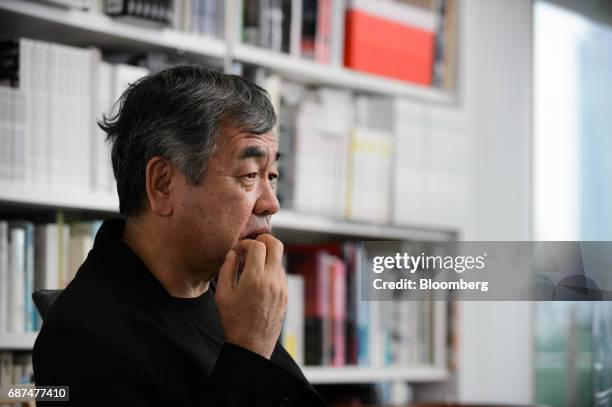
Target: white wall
[(495, 339)]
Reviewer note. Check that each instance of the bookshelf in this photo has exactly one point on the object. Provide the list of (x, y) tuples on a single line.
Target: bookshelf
[(23, 341), (345, 375), (76, 27), (286, 220), (313, 72), (71, 26), (25, 18)]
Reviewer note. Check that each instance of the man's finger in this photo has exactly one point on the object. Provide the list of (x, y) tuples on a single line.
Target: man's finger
[(227, 272), (254, 255), (274, 250)]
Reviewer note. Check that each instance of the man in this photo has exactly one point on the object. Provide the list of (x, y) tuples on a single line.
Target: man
[(194, 154)]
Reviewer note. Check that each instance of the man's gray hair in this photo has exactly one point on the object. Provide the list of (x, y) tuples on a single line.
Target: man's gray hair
[(178, 114)]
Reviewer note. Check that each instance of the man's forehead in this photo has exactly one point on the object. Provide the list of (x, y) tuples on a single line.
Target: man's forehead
[(245, 145), (257, 152)]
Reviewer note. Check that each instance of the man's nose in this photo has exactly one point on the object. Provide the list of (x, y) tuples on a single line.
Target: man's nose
[(267, 203)]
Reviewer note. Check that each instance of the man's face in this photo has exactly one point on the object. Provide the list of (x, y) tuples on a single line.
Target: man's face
[(235, 201)]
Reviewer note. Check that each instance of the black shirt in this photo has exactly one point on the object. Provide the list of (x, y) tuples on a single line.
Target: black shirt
[(116, 337)]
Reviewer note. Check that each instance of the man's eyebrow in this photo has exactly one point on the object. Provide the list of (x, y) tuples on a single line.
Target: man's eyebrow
[(255, 152)]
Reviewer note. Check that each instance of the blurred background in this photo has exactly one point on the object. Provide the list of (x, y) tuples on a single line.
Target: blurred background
[(411, 120)]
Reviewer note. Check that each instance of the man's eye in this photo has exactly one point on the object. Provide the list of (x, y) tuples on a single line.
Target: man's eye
[(273, 177), (252, 175)]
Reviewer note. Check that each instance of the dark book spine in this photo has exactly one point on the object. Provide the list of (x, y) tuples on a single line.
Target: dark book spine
[(9, 62)]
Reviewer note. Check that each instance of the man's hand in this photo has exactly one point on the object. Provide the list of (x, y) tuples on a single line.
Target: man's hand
[(252, 312)]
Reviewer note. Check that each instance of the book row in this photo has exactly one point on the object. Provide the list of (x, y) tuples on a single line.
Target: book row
[(345, 155), (48, 130), (15, 368), (370, 158), (327, 323), (410, 40), (33, 257)]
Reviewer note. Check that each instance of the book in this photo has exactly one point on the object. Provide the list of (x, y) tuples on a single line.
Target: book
[(413, 146), (6, 368), (323, 32), (46, 260), (390, 39), (16, 316), (293, 326), (370, 160), (82, 236), (102, 174), (314, 264), (321, 152), (4, 275), (336, 51), (23, 270), (309, 28), (140, 11), (270, 24), (337, 291)]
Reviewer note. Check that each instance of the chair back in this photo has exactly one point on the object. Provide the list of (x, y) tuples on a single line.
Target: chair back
[(44, 299)]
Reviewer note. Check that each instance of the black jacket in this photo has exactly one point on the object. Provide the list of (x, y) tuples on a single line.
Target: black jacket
[(117, 338)]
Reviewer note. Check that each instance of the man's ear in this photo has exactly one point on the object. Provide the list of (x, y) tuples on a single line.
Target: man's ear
[(159, 176)]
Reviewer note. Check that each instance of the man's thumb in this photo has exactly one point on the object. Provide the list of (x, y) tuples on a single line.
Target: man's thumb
[(227, 272)]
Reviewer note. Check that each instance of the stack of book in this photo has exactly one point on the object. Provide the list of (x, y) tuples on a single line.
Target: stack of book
[(48, 111), (311, 29), (336, 327), (409, 40), (15, 368), (32, 257), (206, 17), (372, 158), (338, 153), (431, 177), (391, 39)]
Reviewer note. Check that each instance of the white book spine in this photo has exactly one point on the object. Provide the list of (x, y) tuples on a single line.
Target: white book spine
[(16, 308), (6, 130), (21, 167), (293, 332), (41, 136), (376, 339), (296, 28), (59, 125), (337, 32), (4, 276), (64, 253)]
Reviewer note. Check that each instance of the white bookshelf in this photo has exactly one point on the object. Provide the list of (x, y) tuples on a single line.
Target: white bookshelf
[(38, 20), (304, 70), (86, 27), (316, 375), (57, 197), (351, 374), (69, 25), (285, 220)]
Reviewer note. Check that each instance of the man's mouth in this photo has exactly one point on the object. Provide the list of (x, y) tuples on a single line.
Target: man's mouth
[(254, 234)]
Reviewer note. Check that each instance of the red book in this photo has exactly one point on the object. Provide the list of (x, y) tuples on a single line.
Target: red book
[(400, 46), (315, 264), (338, 312)]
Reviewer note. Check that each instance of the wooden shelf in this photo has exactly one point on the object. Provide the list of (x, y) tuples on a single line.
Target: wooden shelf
[(24, 341)]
